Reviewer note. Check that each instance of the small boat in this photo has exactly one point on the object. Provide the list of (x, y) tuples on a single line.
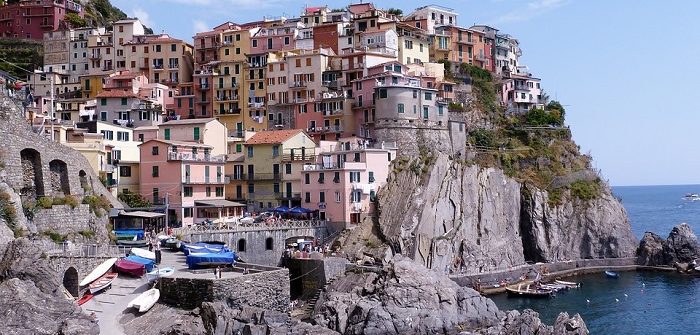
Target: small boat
[(155, 274), (130, 267), (554, 287), (208, 259), (147, 263), (85, 298), (133, 243), (202, 247), (692, 196), (528, 292), (145, 300), (102, 283), (567, 283), (611, 274), (143, 253), (170, 243), (98, 272)]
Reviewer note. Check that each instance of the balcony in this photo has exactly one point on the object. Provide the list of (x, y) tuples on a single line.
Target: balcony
[(230, 111), (332, 84), (174, 66), (158, 66), (289, 196), (189, 157), (297, 84), (207, 181), (326, 129), (202, 86), (298, 157), (257, 177), (408, 83), (331, 95), (356, 207), (227, 98), (331, 113), (95, 56), (237, 133), (256, 104)]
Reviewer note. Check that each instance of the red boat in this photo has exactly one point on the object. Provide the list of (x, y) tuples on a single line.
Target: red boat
[(130, 268), (102, 283), (85, 299)]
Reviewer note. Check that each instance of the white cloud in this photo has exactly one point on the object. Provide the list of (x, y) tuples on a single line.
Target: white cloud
[(199, 26), (531, 10), (143, 16)]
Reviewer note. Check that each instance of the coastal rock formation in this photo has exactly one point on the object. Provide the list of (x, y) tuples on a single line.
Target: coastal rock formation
[(406, 297), (680, 247), (651, 250), (28, 310), (22, 260), (459, 218)]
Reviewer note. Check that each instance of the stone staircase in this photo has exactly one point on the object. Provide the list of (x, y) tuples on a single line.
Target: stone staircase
[(311, 303)]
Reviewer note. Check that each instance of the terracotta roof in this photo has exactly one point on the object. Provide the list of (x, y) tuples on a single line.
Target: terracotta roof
[(272, 136), (313, 9), (116, 94), (130, 75)]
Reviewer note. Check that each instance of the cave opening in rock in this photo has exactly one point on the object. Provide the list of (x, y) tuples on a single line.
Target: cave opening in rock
[(32, 175), (70, 281), (59, 177)]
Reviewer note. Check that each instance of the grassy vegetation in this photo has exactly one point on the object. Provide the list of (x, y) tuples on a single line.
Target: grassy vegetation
[(87, 233), (44, 202), (54, 236), (98, 204), (27, 54), (7, 210)]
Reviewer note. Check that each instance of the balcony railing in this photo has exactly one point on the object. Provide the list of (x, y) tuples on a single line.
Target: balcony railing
[(203, 86), (298, 157), (227, 98), (257, 176), (207, 181), (231, 111), (289, 196), (297, 84), (326, 129), (188, 156), (333, 112)]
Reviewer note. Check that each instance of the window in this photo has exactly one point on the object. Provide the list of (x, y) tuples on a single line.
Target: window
[(154, 171), (241, 245), (125, 171), (275, 148), (251, 188), (239, 147), (108, 135), (255, 43), (336, 177), (425, 112), (440, 110), (371, 176), (400, 107), (307, 179), (275, 188), (196, 134), (154, 151), (208, 191), (357, 157), (167, 133), (322, 197), (355, 177), (269, 243), (124, 101), (250, 151), (103, 101), (173, 47), (382, 93), (288, 168), (428, 96), (307, 197), (337, 196), (122, 136), (187, 191), (321, 178), (355, 196), (158, 48), (187, 212)]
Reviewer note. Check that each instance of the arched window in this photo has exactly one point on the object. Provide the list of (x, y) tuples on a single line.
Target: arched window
[(268, 243), (241, 245)]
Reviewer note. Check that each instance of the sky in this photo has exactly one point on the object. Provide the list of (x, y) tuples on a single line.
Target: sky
[(624, 69)]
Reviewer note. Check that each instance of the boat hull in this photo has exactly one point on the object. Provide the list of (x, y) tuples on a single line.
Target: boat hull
[(210, 259), (98, 272), (154, 275), (537, 294), (130, 268), (143, 253), (102, 283), (611, 274), (145, 300)]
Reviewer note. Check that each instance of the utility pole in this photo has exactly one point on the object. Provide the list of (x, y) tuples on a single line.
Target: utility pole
[(167, 210)]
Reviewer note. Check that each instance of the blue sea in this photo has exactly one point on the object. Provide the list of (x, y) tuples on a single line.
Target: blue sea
[(637, 302)]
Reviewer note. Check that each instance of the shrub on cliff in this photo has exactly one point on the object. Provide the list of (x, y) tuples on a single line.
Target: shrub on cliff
[(44, 202), (7, 209), (134, 200), (585, 190), (98, 204)]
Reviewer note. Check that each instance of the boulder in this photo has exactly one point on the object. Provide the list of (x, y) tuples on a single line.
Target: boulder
[(681, 245), (651, 250), (23, 259), (28, 310)]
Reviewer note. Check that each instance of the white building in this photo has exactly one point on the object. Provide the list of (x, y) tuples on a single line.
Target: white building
[(434, 15)]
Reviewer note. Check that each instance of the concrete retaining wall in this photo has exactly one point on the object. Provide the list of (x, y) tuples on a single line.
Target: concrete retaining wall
[(309, 275)]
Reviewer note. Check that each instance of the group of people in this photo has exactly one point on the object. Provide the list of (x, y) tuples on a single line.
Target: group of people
[(153, 244)]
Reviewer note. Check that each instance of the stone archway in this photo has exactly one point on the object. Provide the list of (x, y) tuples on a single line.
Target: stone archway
[(70, 281), (59, 177), (32, 175)]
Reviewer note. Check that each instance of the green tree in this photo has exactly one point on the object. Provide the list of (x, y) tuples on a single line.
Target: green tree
[(394, 11), (134, 200), (75, 20)]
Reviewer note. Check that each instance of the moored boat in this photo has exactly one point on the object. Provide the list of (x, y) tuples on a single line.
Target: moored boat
[(612, 274), (143, 253), (147, 263), (158, 273), (528, 292), (170, 243), (130, 267), (692, 196), (98, 272), (103, 282), (85, 298), (567, 283), (145, 300), (132, 243), (554, 287), (195, 260)]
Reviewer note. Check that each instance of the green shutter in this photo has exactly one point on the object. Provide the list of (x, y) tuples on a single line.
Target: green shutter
[(167, 134), (196, 133)]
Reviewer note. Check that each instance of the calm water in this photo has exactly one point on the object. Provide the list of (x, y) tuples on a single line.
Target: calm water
[(655, 303)]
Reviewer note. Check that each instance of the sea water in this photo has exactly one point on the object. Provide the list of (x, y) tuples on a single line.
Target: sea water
[(637, 302)]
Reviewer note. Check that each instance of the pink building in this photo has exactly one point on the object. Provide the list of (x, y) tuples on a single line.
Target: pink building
[(31, 19), (345, 179), (187, 177)]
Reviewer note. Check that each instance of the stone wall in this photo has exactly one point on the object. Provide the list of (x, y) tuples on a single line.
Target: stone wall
[(255, 242), (268, 290), (409, 138), (81, 219), (309, 275)]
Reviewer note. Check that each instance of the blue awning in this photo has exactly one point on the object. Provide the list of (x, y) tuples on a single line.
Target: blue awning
[(300, 210), (281, 209)]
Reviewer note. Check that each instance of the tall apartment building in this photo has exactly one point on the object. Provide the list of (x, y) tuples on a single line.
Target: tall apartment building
[(32, 18)]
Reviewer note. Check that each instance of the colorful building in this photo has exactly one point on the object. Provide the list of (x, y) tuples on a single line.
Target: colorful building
[(32, 18)]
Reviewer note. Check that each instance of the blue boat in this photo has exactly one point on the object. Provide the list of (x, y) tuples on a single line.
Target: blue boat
[(196, 259), (148, 263), (611, 274), (201, 247)]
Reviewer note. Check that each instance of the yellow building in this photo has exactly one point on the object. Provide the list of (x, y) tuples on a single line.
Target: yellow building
[(92, 85), (414, 44), (228, 81), (270, 172)]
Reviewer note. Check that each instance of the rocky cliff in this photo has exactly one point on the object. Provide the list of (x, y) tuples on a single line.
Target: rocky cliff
[(681, 247), (457, 217)]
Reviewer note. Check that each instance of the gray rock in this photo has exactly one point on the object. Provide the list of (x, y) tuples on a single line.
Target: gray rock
[(28, 310), (651, 250), (22, 259), (681, 245)]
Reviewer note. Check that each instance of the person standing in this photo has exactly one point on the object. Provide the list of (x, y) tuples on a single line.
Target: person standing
[(158, 253)]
